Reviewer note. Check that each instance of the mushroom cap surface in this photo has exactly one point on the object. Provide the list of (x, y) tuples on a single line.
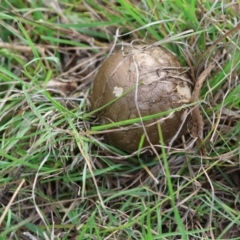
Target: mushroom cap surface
[(155, 82)]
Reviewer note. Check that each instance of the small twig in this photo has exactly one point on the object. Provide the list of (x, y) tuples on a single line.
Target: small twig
[(30, 236), (197, 120), (11, 201), (197, 126)]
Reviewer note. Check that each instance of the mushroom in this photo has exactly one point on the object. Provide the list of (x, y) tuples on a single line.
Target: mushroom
[(143, 81)]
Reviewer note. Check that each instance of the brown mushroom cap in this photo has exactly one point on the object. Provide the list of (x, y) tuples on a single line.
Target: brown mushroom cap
[(158, 84)]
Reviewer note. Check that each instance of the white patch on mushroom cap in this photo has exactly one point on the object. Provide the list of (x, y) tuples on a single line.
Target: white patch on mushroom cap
[(185, 92), (117, 91)]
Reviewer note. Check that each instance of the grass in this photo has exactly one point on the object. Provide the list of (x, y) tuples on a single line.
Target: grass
[(59, 179)]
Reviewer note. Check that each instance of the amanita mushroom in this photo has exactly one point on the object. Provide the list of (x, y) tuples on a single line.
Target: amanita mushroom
[(158, 84)]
